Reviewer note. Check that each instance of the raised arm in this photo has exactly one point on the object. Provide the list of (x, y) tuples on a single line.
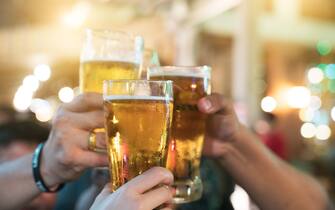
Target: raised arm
[(270, 182), (64, 156)]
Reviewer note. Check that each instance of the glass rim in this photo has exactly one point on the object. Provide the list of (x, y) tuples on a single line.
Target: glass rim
[(196, 71), (110, 33), (135, 81), (107, 83)]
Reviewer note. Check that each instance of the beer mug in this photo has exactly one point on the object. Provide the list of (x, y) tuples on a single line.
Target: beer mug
[(109, 55), (138, 115), (188, 127)]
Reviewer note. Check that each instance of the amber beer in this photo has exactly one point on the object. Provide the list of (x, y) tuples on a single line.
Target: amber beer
[(188, 127), (94, 72), (137, 127)]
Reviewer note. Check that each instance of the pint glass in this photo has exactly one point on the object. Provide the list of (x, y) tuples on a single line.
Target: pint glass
[(188, 127), (108, 55), (138, 116)]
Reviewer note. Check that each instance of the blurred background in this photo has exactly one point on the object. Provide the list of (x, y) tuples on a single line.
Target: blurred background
[(275, 58)]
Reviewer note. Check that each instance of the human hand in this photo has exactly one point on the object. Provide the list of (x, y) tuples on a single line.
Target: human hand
[(222, 125), (66, 154), (145, 192)]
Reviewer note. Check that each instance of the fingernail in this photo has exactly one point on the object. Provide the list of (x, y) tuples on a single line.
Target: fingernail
[(207, 104)]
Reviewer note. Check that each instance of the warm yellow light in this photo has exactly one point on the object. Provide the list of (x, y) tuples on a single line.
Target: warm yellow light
[(315, 75), (306, 115), (78, 15), (323, 132), (22, 99), (30, 82), (43, 110), (268, 104), (42, 72), (298, 97), (66, 94), (308, 130)]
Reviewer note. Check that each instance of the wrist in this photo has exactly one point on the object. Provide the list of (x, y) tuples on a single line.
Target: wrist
[(48, 175), (44, 179)]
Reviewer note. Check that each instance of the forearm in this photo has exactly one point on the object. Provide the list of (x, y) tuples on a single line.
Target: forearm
[(17, 184), (270, 182)]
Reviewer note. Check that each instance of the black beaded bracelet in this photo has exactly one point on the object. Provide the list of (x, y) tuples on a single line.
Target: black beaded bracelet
[(37, 173)]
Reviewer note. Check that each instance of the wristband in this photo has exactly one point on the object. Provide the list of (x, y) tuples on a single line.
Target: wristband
[(36, 163)]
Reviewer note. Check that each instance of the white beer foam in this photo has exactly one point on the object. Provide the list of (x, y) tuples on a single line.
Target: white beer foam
[(136, 97), (122, 60), (179, 74)]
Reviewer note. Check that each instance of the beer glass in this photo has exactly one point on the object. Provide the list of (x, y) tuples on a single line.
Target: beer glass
[(188, 127), (108, 55), (150, 59), (138, 116)]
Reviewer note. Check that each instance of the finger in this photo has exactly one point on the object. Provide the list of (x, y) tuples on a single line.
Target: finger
[(214, 147), (222, 126), (80, 138), (150, 179), (215, 103), (89, 159), (157, 197), (103, 194), (86, 121), (85, 102)]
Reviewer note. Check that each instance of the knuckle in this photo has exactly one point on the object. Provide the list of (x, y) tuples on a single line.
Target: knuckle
[(159, 171), (65, 157), (84, 98), (167, 193), (61, 118)]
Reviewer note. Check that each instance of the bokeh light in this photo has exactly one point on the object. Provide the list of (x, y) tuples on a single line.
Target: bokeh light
[(306, 115), (42, 109), (330, 71), (268, 104), (316, 88), (331, 86), (42, 72), (240, 199), (322, 66), (66, 94), (30, 82), (298, 97), (315, 75), (77, 16), (324, 47), (315, 103), (321, 117), (308, 130), (22, 99), (323, 132), (332, 113)]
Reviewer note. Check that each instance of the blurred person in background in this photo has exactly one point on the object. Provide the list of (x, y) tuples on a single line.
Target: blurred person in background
[(7, 114), (19, 138), (271, 135)]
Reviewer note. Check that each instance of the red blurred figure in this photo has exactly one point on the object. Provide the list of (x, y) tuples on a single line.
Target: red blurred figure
[(271, 135)]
